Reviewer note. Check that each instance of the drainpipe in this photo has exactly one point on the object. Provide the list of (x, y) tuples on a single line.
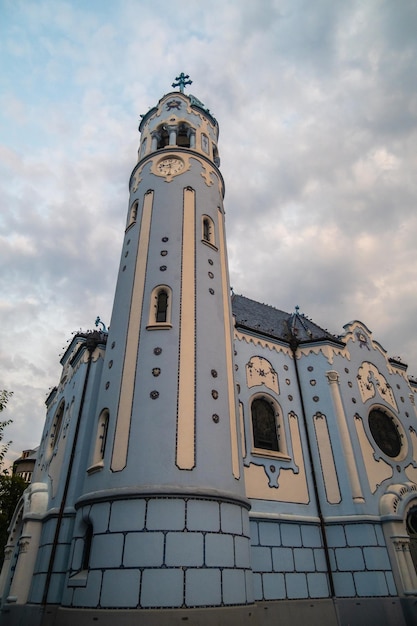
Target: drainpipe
[(92, 342), (294, 346)]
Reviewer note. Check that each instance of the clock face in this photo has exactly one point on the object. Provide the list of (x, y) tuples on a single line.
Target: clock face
[(170, 166)]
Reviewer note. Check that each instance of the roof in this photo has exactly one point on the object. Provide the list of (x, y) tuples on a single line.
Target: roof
[(27, 455), (266, 320)]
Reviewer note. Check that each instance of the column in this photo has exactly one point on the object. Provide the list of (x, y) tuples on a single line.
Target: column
[(333, 379)]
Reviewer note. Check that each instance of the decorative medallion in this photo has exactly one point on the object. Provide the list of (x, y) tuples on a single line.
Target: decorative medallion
[(173, 104), (154, 395), (163, 268), (164, 252), (165, 239), (157, 350), (259, 371), (372, 382), (215, 418), (362, 338), (156, 371), (215, 394), (214, 373)]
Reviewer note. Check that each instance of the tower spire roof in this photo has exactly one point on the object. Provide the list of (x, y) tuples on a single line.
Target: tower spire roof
[(182, 81)]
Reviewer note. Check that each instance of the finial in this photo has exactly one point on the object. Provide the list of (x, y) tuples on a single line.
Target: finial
[(182, 81), (98, 321), (297, 308)]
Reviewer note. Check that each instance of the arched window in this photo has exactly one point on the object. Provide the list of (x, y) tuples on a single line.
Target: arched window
[(216, 157), (161, 306), (162, 138), (204, 143), (133, 213), (264, 425), (100, 443), (412, 533), (56, 425), (183, 136), (143, 148), (207, 234), (160, 312)]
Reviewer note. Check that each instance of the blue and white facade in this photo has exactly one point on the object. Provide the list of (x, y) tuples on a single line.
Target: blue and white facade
[(210, 458)]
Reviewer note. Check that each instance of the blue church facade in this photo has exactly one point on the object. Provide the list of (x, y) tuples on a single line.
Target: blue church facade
[(209, 458)]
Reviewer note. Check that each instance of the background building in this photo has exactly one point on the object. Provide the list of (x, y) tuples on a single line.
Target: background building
[(25, 464), (211, 458)]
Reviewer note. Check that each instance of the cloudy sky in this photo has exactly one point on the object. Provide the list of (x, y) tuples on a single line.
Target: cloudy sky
[(317, 106)]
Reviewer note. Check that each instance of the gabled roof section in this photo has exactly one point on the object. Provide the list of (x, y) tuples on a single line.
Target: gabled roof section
[(266, 320)]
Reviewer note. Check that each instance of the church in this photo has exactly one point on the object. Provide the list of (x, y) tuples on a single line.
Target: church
[(210, 459)]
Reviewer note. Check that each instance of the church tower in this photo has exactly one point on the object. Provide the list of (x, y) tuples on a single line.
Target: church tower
[(171, 472), (161, 516)]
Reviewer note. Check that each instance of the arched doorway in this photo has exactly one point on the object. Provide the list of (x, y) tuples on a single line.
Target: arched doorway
[(411, 525)]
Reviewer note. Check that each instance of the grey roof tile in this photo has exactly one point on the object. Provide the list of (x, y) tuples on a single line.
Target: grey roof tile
[(266, 320)]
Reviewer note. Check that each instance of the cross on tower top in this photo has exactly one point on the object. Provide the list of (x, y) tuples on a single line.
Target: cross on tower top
[(182, 81)]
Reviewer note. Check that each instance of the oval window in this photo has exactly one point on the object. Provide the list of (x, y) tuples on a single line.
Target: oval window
[(385, 432)]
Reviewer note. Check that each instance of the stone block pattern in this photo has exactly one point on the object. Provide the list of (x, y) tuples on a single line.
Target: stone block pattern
[(360, 561), (288, 561), (162, 552), (60, 562)]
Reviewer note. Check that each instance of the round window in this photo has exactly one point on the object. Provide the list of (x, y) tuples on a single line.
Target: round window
[(385, 432)]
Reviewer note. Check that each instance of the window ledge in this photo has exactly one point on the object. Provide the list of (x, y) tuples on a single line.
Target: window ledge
[(271, 454), (79, 579), (96, 467), (210, 245), (160, 326)]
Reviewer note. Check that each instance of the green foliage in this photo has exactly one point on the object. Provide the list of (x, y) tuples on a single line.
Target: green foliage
[(11, 489), (4, 398), (11, 486)]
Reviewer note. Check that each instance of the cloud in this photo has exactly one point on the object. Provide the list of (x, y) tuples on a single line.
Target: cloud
[(317, 107)]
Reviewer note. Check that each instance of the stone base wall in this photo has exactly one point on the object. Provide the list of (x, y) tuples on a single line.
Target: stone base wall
[(381, 612), (161, 552), (289, 562)]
